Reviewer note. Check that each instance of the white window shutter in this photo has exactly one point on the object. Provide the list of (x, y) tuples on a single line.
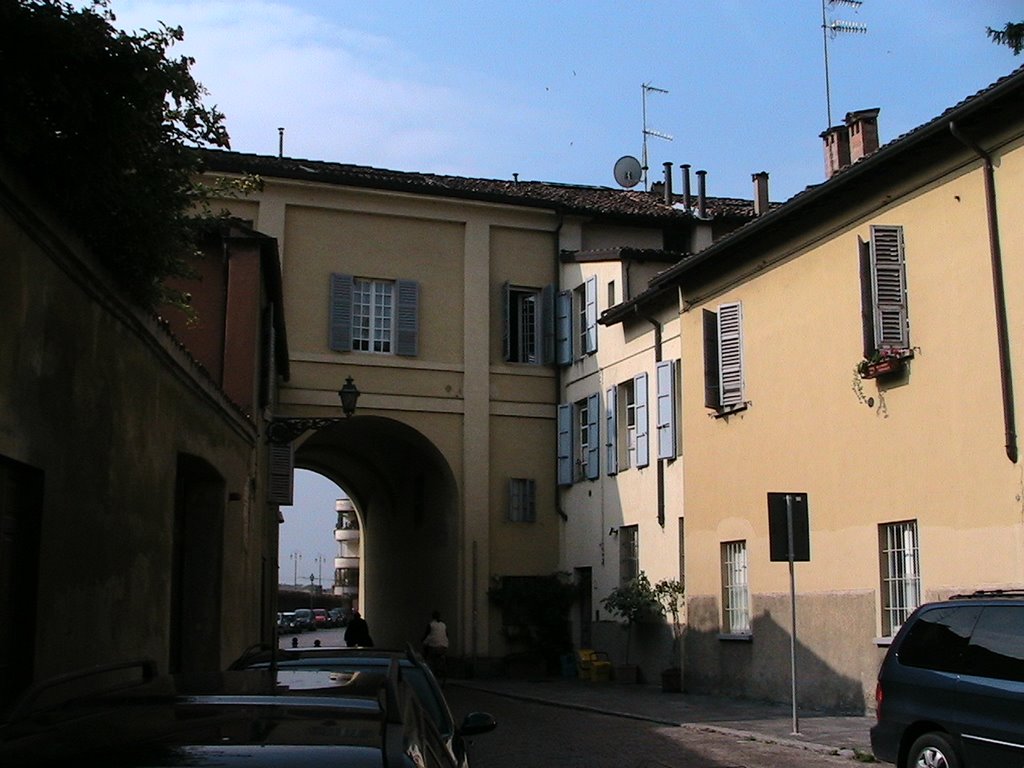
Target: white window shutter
[(730, 353), (643, 452), (612, 429), (563, 328), (890, 287), (666, 415)]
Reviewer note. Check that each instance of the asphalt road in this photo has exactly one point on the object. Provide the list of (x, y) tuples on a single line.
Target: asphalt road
[(542, 736)]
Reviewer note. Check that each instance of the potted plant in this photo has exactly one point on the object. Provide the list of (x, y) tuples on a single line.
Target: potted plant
[(632, 601), (883, 361), (670, 593)]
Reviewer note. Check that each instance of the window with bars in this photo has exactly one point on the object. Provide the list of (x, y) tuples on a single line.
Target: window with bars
[(629, 553), (735, 589), (522, 500), (900, 566)]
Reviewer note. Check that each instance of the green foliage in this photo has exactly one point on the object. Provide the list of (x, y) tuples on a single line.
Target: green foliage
[(1012, 35), (105, 122), (633, 601)]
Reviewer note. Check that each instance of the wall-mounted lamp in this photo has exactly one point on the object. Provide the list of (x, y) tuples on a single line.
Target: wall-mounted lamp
[(285, 430)]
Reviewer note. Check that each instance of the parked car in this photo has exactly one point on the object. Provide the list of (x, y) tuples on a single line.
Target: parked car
[(304, 619), (339, 616), (323, 621), (255, 718), (354, 662), (286, 623), (950, 690)]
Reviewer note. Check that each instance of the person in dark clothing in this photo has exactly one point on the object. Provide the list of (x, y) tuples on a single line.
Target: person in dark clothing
[(358, 632)]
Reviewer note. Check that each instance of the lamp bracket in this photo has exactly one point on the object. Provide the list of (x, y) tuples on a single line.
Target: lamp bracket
[(286, 430)]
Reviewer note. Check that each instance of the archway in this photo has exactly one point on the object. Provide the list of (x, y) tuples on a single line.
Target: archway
[(408, 505)]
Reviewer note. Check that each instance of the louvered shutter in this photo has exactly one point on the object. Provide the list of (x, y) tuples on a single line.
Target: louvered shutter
[(890, 287), (564, 445), (407, 322), (643, 452), (340, 333), (590, 312), (712, 388), (666, 416), (593, 437), (506, 321), (563, 328), (280, 469), (730, 353), (546, 324), (611, 427)]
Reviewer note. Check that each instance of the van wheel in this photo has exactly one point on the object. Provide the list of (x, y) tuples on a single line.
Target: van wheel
[(933, 750)]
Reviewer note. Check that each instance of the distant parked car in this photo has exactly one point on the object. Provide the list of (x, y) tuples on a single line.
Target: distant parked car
[(339, 616), (286, 623), (951, 688), (304, 619), (323, 621)]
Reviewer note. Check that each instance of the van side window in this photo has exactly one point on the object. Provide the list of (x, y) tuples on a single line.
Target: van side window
[(938, 639), (996, 649)]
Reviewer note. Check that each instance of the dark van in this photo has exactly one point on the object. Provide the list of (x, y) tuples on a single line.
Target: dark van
[(950, 690)]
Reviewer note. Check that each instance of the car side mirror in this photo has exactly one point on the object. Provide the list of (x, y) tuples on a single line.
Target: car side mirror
[(477, 723)]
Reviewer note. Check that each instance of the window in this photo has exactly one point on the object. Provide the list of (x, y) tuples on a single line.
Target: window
[(666, 410), (629, 553), (522, 500), (578, 436), (735, 589), (529, 324), (723, 358), (995, 649), (626, 418), (884, 291), (379, 316), (901, 573)]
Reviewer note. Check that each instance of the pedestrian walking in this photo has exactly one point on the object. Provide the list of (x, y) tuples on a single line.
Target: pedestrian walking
[(435, 645), (357, 634)]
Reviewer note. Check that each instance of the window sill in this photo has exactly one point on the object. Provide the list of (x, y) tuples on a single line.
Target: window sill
[(739, 637), (728, 410), (883, 642)]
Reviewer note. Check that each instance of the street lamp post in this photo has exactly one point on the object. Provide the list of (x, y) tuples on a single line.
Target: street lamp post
[(287, 429)]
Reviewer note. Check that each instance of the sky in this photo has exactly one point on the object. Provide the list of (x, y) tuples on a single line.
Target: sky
[(552, 90)]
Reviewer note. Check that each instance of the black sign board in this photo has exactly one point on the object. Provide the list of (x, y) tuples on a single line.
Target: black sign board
[(778, 527)]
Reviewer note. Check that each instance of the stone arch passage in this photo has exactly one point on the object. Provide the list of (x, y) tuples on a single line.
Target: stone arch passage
[(408, 505)]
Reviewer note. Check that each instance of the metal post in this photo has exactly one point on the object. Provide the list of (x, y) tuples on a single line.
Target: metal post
[(792, 604)]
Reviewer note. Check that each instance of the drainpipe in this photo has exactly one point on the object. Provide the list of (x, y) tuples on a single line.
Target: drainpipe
[(659, 463), (998, 292)]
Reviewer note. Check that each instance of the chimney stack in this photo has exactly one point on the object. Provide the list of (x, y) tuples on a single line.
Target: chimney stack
[(668, 183), (702, 208), (686, 186), (863, 128), (760, 193), (837, 149)]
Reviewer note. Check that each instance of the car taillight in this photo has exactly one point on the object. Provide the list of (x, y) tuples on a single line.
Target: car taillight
[(879, 695)]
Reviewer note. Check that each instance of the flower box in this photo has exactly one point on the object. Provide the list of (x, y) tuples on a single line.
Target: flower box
[(881, 368)]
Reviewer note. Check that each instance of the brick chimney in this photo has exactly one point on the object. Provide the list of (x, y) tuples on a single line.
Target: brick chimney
[(760, 193), (863, 128), (837, 149)]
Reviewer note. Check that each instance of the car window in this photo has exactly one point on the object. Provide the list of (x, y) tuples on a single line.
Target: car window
[(997, 644), (938, 638)]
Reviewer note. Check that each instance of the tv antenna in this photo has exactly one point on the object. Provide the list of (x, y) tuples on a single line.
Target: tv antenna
[(830, 29), (648, 88)]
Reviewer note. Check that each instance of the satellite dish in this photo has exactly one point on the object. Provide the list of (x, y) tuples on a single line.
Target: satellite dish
[(627, 171)]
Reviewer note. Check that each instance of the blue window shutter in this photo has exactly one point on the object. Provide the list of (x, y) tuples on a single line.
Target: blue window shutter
[(563, 328), (340, 332), (643, 453), (591, 314), (564, 444), (666, 416), (547, 324), (611, 427), (593, 437), (506, 321), (407, 322)]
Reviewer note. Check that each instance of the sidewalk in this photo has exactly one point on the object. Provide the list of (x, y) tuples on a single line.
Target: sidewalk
[(845, 735)]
